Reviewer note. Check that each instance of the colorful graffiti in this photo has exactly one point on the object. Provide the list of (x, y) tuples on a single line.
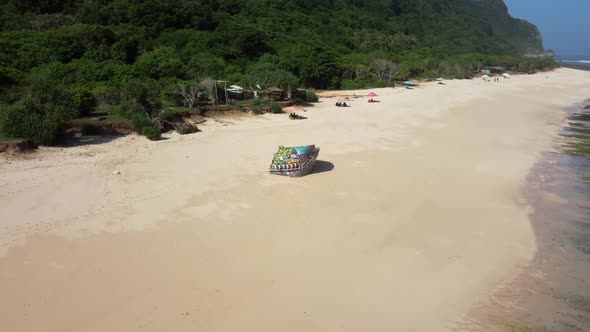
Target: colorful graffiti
[(294, 161)]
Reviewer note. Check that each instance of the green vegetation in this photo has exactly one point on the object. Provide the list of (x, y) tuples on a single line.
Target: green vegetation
[(5, 138), (135, 59), (276, 108), (39, 116), (188, 129), (311, 97), (261, 106), (578, 134), (515, 326)]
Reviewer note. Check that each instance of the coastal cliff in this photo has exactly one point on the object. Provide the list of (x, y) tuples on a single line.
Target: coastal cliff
[(524, 35)]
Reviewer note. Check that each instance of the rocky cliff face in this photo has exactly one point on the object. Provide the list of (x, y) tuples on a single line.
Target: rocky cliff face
[(524, 35)]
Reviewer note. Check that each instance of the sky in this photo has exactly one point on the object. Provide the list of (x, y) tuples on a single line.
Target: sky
[(564, 24)]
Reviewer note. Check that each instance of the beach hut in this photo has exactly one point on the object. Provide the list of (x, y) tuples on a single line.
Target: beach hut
[(236, 93), (488, 70), (235, 88), (273, 93), (294, 161)]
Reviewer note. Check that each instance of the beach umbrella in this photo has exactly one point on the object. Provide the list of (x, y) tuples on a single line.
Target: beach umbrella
[(440, 79), (506, 75), (410, 83), (485, 76), (372, 94)]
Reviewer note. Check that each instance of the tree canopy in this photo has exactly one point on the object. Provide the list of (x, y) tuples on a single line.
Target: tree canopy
[(92, 49)]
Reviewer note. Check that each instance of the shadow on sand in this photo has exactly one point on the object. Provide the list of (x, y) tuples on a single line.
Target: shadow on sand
[(322, 167), (89, 140)]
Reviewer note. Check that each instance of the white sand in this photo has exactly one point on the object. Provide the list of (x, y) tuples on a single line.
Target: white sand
[(420, 218)]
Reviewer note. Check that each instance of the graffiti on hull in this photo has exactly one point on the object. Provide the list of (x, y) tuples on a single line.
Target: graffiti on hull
[(294, 161)]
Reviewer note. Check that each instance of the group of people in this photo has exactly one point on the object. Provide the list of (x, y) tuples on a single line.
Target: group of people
[(339, 104), (295, 116)]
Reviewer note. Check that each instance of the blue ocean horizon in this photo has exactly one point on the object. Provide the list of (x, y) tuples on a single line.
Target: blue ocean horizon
[(573, 58), (577, 61)]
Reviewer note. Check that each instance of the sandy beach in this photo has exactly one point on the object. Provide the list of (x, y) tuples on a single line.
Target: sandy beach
[(415, 215)]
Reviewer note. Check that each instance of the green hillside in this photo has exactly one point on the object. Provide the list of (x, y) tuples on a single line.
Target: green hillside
[(89, 52)]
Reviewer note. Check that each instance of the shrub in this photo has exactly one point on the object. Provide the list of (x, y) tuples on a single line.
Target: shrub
[(129, 111), (106, 96), (24, 122), (84, 101), (276, 108), (152, 133), (311, 97), (167, 115), (39, 116), (142, 106), (258, 106), (188, 129), (261, 106), (363, 84)]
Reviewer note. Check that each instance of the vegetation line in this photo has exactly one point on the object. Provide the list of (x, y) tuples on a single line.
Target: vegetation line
[(66, 59)]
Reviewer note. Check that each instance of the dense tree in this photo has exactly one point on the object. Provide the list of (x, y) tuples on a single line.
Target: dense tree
[(99, 51), (268, 72)]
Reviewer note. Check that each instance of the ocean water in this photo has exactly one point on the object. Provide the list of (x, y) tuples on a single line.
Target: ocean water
[(575, 61)]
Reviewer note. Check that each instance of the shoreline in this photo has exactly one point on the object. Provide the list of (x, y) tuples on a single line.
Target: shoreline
[(425, 189), (584, 67), (551, 292)]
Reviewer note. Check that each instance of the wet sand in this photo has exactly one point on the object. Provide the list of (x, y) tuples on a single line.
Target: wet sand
[(552, 293), (415, 215)]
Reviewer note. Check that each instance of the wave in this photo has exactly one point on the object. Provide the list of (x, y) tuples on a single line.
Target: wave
[(576, 61)]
